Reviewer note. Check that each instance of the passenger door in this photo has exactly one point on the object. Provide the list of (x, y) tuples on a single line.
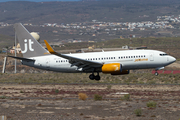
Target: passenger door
[(47, 62), (151, 56)]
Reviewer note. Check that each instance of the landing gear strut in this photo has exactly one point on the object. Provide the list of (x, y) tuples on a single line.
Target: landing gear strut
[(159, 68), (92, 77), (156, 73)]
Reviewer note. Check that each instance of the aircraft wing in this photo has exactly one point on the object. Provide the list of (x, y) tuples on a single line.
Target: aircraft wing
[(80, 63)]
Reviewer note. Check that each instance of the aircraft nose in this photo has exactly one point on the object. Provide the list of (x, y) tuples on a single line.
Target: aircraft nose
[(172, 59)]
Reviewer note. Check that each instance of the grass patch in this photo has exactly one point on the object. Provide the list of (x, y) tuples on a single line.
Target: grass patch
[(54, 78), (151, 104), (3, 97), (97, 97), (126, 97), (21, 91), (109, 87), (138, 112), (56, 91)]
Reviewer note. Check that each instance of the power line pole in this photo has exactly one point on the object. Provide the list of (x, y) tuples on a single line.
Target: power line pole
[(15, 54)]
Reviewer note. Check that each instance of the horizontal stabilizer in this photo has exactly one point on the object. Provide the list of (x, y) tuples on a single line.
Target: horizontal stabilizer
[(20, 58)]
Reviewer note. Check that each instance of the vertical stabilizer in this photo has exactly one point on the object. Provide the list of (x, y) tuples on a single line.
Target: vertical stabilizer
[(30, 47)]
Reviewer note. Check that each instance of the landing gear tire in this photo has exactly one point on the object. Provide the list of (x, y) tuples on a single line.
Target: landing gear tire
[(156, 73), (97, 77), (91, 76)]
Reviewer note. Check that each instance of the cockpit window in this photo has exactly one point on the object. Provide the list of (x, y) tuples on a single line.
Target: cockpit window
[(163, 54)]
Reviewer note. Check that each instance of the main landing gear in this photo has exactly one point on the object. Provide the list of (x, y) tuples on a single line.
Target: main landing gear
[(96, 77)]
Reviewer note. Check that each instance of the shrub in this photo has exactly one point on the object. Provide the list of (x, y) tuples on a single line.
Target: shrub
[(3, 97), (82, 96), (21, 91), (126, 97), (108, 87), (138, 112), (56, 91), (151, 104), (97, 97)]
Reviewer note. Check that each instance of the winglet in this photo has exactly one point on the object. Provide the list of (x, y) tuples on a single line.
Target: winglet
[(50, 49)]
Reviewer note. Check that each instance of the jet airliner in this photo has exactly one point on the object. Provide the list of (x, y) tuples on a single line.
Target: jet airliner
[(110, 62)]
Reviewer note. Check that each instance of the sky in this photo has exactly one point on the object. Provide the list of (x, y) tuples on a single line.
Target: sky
[(37, 0)]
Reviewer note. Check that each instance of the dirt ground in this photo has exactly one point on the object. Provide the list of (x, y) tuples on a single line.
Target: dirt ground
[(52, 102)]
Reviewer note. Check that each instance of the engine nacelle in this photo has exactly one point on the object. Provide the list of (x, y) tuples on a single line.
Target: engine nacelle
[(112, 67), (121, 73)]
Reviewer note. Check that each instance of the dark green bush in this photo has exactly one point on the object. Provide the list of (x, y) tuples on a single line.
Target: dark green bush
[(138, 112), (151, 104), (126, 97), (97, 97), (56, 91)]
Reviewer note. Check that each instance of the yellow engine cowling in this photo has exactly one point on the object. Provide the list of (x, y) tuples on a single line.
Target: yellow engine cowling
[(120, 72), (114, 69)]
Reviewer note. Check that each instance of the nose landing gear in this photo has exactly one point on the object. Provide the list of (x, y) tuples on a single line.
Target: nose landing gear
[(156, 73), (159, 68)]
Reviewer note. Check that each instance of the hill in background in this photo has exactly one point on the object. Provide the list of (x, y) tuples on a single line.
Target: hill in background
[(67, 12)]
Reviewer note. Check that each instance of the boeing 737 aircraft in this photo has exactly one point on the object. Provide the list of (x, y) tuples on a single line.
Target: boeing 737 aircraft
[(113, 62)]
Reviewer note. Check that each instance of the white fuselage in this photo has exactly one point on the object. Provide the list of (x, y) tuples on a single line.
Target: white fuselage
[(129, 59)]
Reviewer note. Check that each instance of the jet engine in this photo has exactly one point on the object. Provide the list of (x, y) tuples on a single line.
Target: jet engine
[(114, 69), (120, 72)]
